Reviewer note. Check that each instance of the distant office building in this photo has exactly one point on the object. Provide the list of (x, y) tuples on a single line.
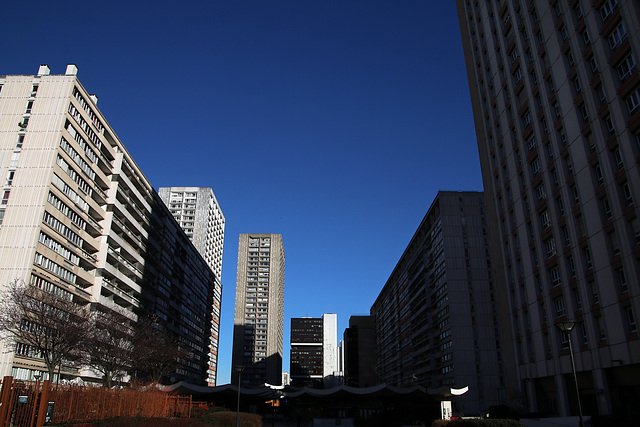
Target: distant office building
[(359, 352), (197, 212), (555, 91), (339, 377), (259, 312), (435, 318), (314, 351), (306, 359), (80, 220), (286, 378)]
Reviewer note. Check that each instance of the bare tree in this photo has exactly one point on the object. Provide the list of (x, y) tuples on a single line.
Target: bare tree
[(43, 325), (109, 347), (157, 353)]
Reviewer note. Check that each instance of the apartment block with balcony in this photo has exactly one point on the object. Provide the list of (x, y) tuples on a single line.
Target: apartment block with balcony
[(259, 311), (435, 318), (79, 218), (198, 213), (555, 91)]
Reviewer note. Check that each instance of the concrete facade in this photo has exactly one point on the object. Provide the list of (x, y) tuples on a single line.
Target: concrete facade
[(198, 213), (435, 318), (555, 91), (259, 310), (78, 218), (314, 351)]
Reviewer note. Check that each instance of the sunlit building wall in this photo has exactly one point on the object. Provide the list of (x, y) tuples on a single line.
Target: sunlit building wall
[(79, 219)]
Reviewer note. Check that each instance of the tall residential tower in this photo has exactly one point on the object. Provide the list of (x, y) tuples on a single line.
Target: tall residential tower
[(197, 211), (555, 91), (259, 311), (79, 219)]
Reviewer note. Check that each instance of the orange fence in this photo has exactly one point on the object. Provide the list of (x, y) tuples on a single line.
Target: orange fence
[(23, 404), (76, 403)]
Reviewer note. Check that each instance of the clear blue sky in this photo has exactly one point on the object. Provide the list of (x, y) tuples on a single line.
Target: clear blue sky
[(331, 122)]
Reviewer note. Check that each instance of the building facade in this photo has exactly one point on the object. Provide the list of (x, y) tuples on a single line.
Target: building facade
[(198, 213), (555, 92), (359, 352), (79, 219), (306, 359), (435, 318), (314, 351), (259, 310)]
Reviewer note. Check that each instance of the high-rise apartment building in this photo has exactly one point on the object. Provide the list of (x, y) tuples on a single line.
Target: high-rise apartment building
[(314, 351), (198, 213), (555, 91), (435, 318), (79, 219), (259, 311)]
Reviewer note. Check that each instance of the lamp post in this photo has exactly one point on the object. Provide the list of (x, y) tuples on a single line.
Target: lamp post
[(567, 327), (239, 368)]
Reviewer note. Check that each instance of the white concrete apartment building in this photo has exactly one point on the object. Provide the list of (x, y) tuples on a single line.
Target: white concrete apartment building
[(555, 91), (78, 218), (259, 311), (197, 211)]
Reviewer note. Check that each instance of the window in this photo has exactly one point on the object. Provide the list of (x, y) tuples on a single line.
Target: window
[(632, 321), (540, 192), (550, 247), (607, 9), (617, 36), (606, 206), (517, 75), (624, 286), (561, 310), (572, 271), (10, 177), (5, 197), (554, 273), (526, 119), (576, 196), (587, 258), (535, 166), (618, 158), (626, 191), (545, 220), (2, 211), (633, 102), (585, 37), (576, 85), (514, 55), (599, 176), (585, 113), (626, 68), (610, 127)]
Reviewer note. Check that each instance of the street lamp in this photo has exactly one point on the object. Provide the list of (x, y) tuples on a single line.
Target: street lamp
[(239, 368), (567, 327)]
